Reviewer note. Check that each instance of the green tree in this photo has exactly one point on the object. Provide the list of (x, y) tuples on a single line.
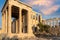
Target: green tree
[(46, 28), (43, 27)]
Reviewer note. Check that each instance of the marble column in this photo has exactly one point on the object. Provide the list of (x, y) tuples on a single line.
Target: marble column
[(3, 22), (57, 22), (51, 23), (17, 26), (54, 23), (9, 19), (20, 20), (6, 22), (47, 22)]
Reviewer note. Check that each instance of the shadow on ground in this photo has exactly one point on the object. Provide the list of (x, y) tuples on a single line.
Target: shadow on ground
[(47, 37), (38, 37)]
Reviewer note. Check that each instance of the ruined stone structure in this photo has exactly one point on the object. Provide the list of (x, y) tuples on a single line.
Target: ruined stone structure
[(52, 22), (18, 19)]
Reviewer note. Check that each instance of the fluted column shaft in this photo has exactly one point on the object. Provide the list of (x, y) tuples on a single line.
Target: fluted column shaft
[(20, 20), (9, 19)]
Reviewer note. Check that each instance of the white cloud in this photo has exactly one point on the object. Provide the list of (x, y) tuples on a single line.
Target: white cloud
[(46, 3), (46, 6), (50, 10), (40, 2)]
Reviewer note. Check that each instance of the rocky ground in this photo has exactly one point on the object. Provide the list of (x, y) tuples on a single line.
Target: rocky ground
[(41, 38)]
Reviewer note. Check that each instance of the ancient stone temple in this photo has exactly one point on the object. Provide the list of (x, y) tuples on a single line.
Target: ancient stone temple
[(18, 19)]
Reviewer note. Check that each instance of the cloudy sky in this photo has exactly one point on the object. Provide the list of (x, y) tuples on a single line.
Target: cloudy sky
[(47, 8)]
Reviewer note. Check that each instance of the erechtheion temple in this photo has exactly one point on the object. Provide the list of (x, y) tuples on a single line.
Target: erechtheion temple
[(18, 19)]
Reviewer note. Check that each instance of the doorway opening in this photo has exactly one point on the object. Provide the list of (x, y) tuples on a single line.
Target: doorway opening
[(15, 19), (24, 21)]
